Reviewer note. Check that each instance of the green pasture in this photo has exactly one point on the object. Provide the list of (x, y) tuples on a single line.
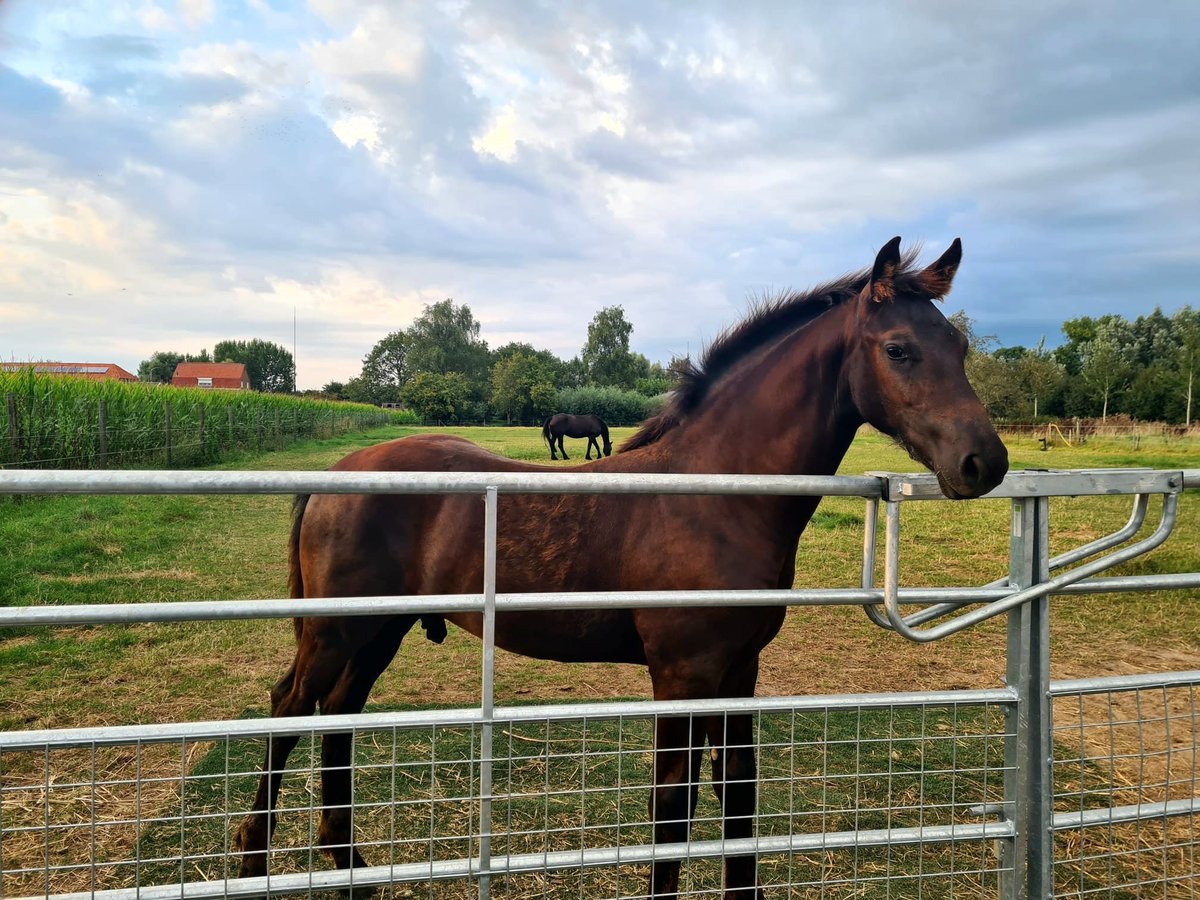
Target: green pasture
[(69, 550)]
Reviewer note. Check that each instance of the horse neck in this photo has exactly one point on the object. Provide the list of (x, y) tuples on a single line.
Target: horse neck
[(785, 410)]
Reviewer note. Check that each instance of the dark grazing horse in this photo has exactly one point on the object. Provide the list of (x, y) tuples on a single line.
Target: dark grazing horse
[(562, 425), (809, 369)]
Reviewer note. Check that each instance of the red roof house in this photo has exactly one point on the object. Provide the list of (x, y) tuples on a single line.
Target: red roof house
[(90, 371), (231, 376)]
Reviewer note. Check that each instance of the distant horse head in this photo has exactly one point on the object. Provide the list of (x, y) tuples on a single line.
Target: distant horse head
[(905, 369)]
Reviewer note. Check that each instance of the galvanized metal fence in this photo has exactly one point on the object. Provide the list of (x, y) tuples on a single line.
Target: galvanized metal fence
[(1019, 791)]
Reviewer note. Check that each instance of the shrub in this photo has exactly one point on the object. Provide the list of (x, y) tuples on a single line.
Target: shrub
[(613, 405)]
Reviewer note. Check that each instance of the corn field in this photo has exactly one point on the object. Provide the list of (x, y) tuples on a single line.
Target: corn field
[(71, 423)]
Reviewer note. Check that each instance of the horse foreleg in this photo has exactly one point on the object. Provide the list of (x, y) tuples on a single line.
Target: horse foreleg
[(349, 696), (678, 744), (734, 778), (295, 694), (591, 442)]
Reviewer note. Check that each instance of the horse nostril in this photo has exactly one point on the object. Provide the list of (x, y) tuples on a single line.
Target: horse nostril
[(972, 469)]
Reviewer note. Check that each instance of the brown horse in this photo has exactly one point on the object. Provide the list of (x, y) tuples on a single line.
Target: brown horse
[(783, 392), (562, 425)]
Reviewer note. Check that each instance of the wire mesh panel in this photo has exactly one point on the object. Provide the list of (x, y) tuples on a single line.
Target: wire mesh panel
[(1127, 787), (570, 796)]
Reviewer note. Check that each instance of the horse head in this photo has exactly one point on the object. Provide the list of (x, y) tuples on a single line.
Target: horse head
[(906, 374)]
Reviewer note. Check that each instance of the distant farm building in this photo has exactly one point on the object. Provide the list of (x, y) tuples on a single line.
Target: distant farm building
[(231, 376), (91, 371)]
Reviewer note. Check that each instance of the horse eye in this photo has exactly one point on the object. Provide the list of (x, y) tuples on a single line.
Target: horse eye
[(895, 351)]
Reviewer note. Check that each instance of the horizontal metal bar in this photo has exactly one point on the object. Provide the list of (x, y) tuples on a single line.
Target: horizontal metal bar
[(287, 608), (58, 481), (1115, 683), (407, 719), (372, 876), (1136, 812), (1045, 483), (899, 486), (1127, 583)]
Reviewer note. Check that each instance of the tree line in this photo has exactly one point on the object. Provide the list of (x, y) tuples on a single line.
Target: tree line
[(442, 368), (1144, 368)]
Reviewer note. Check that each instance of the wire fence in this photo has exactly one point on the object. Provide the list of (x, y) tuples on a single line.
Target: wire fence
[(96, 817), (1127, 787)]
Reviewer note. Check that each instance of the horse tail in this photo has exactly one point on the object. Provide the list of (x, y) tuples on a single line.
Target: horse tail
[(546, 429), (295, 576)]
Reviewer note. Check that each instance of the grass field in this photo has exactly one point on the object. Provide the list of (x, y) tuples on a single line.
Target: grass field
[(110, 549)]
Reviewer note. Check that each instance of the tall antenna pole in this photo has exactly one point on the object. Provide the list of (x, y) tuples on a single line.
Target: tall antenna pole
[(295, 387)]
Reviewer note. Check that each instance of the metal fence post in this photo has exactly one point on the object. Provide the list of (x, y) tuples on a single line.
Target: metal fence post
[(487, 691), (1028, 859)]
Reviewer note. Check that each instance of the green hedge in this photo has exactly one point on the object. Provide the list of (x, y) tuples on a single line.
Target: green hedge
[(613, 405), (54, 422)]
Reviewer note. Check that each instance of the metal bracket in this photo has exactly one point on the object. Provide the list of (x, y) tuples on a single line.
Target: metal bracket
[(1018, 486)]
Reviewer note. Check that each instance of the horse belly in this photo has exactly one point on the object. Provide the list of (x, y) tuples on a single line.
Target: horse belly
[(563, 636)]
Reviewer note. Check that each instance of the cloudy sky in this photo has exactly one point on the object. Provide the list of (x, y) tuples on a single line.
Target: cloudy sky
[(178, 172)]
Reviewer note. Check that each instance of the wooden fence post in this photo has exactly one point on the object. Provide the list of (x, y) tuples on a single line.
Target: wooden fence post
[(102, 421), (11, 399), (229, 419), (258, 430), (278, 434), (167, 427)]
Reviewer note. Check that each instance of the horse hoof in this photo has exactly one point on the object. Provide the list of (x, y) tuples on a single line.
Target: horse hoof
[(254, 861), (254, 864)]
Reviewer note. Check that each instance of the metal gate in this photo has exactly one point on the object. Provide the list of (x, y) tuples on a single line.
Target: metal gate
[(1011, 792)]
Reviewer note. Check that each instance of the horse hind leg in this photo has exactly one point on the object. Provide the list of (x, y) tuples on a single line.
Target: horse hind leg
[(349, 696), (311, 674)]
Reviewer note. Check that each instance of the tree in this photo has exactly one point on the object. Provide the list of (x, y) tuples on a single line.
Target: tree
[(995, 380), (270, 367), (445, 339), (997, 383), (437, 397), (606, 357), (1104, 366), (551, 363), (976, 342), (1041, 373), (573, 373), (1186, 326), (161, 365), (385, 369), (523, 387)]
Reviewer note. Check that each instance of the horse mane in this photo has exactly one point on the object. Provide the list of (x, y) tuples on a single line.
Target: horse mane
[(769, 318)]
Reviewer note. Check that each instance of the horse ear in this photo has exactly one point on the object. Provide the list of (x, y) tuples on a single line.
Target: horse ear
[(937, 278), (884, 271)]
